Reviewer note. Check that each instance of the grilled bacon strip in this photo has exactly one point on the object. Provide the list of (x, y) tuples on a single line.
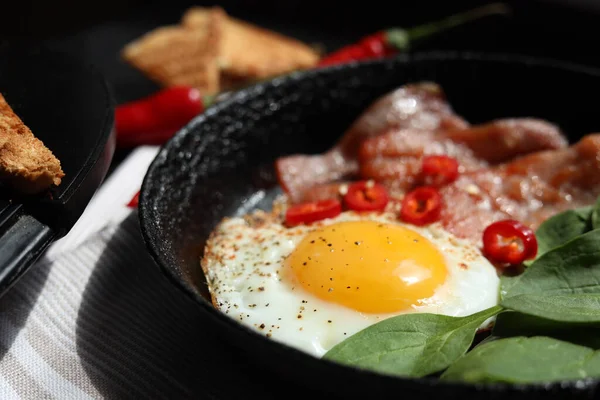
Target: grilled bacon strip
[(420, 106), (397, 154)]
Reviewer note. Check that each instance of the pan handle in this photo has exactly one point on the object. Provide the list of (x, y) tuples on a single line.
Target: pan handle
[(21, 244)]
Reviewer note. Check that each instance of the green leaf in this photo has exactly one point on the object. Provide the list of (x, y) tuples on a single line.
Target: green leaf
[(560, 228), (525, 360), (573, 267), (506, 284), (412, 344), (585, 212), (511, 323), (574, 307), (596, 215)]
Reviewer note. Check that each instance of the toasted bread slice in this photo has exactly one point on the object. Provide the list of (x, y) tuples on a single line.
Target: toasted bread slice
[(250, 52), (26, 163), (173, 55)]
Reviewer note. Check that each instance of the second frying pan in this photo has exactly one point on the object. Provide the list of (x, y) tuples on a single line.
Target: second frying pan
[(70, 108)]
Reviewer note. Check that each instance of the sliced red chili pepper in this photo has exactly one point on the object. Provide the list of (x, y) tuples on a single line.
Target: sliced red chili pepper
[(421, 206), (307, 213), (133, 203), (509, 242), (439, 170), (366, 196)]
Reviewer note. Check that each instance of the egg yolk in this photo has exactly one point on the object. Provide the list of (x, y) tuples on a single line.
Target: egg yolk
[(368, 266)]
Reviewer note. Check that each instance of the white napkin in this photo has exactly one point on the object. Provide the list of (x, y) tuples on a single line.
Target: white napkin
[(95, 318)]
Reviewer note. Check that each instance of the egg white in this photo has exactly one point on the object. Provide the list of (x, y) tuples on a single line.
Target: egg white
[(243, 265)]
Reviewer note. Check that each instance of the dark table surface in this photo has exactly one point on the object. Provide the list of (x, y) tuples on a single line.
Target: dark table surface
[(95, 31)]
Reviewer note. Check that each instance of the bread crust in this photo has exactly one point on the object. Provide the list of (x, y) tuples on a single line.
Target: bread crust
[(212, 51), (26, 164), (251, 52), (173, 55)]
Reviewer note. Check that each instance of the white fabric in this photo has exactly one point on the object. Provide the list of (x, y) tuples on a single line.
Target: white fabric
[(95, 318)]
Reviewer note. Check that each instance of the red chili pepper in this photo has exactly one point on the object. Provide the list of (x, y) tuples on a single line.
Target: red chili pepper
[(133, 203), (439, 170), (155, 119), (421, 206), (391, 41), (372, 46), (366, 196), (509, 242), (311, 212)]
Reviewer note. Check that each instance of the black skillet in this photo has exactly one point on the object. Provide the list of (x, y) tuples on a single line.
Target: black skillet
[(69, 106), (221, 165)]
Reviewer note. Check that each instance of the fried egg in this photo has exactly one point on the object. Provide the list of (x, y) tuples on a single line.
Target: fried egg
[(312, 286)]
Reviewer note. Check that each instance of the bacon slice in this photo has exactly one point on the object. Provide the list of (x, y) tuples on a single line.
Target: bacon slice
[(421, 106), (539, 185), (502, 140), (404, 170), (397, 154), (530, 189), (495, 142), (324, 191), (468, 209), (396, 143)]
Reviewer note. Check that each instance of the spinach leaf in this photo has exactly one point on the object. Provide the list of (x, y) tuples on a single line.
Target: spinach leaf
[(506, 284), (560, 228), (525, 360), (574, 307), (412, 344), (573, 267), (596, 215), (585, 212), (511, 323)]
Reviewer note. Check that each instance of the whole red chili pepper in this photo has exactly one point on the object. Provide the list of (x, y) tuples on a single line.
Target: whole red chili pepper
[(155, 119), (391, 41)]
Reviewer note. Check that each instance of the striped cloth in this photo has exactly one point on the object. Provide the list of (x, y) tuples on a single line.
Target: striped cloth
[(96, 319)]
